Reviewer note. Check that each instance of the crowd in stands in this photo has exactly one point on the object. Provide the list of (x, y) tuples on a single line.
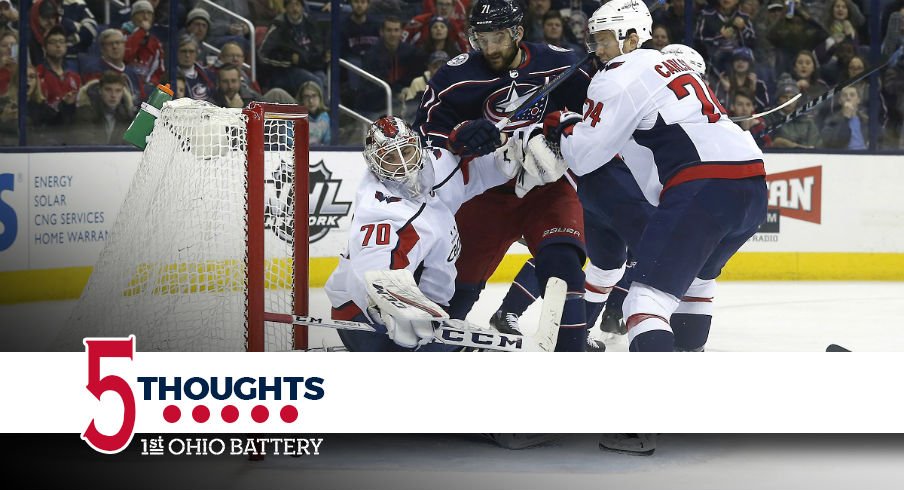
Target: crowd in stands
[(96, 72)]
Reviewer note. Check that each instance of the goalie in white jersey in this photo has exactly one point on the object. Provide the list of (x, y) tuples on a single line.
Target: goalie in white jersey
[(405, 219), (703, 172)]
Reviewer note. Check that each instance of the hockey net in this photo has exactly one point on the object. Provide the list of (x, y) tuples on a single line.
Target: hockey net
[(205, 247)]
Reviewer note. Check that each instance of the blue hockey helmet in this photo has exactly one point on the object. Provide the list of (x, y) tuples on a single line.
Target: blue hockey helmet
[(494, 15)]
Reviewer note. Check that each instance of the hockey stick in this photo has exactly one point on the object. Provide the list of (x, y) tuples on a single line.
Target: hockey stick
[(465, 335), (893, 59), (442, 332), (766, 113), (518, 110), (836, 348)]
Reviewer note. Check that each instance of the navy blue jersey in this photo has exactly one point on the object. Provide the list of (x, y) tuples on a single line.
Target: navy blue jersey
[(466, 88)]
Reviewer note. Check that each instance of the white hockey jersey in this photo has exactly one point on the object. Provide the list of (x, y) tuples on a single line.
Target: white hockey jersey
[(389, 231), (664, 120)]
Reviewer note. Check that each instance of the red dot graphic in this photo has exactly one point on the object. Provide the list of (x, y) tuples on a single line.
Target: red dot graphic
[(230, 414), (201, 414), (289, 414), (260, 414), (172, 414)]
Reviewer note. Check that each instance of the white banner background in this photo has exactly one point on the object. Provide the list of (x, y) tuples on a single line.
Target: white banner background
[(445, 393)]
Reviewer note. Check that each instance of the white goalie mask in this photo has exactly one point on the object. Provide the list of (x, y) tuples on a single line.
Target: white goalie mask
[(688, 55), (394, 154), (621, 17)]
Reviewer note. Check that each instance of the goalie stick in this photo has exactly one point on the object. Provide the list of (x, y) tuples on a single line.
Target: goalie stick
[(893, 59), (466, 335)]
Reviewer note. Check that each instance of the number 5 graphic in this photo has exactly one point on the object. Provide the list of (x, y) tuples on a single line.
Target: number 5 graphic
[(98, 349)]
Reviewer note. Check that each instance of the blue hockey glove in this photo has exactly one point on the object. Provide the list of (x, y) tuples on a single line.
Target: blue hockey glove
[(476, 137)]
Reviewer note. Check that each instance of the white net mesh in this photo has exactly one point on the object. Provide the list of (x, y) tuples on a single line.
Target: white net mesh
[(173, 271)]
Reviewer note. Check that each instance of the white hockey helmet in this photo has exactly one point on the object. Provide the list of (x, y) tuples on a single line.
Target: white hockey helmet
[(688, 55), (393, 152), (621, 17)]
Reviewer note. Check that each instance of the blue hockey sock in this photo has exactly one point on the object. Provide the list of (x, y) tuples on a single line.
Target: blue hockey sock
[(523, 291), (691, 331), (463, 300), (565, 261), (653, 341)]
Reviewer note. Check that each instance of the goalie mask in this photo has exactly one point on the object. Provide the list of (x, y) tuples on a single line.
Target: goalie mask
[(621, 17), (393, 153)]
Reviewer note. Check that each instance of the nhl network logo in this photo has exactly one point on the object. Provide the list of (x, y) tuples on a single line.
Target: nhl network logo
[(325, 209)]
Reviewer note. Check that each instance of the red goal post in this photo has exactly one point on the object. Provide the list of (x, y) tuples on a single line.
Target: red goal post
[(258, 115)]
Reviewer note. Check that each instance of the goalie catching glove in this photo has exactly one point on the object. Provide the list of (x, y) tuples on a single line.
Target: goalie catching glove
[(397, 303)]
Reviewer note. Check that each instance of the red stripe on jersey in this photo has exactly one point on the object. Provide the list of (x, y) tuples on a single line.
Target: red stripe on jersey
[(347, 312), (716, 171), (696, 299), (408, 237), (595, 289), (465, 169), (636, 318)]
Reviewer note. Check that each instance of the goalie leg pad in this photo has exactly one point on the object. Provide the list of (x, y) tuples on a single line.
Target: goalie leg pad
[(399, 304)]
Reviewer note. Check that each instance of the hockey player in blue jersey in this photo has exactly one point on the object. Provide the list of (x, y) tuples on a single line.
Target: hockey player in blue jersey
[(459, 109)]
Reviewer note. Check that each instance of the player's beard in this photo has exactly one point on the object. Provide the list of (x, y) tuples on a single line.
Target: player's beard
[(502, 61)]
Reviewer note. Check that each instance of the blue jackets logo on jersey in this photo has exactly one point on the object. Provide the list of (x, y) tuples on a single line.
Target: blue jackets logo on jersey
[(501, 102)]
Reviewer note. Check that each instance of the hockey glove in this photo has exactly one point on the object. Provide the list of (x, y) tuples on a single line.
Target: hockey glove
[(408, 333), (559, 123), (476, 137), (539, 160)]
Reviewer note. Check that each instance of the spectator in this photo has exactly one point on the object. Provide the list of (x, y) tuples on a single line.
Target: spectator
[(358, 33), (856, 67), (894, 36), (105, 109), (764, 51), (742, 104), (199, 83), (232, 53), (577, 25), (144, 51), (792, 33), (392, 61), (834, 61), (264, 11), (229, 89), (311, 96), (9, 68), (740, 77), (798, 133), (84, 23), (410, 96), (456, 11), (197, 23), (293, 51), (112, 57), (805, 72), (59, 86), (9, 16), (847, 128), (660, 37), (893, 90), (533, 19), (554, 32), (722, 29), (181, 89), (439, 39), (842, 21), (39, 114), (672, 17), (224, 27), (418, 27)]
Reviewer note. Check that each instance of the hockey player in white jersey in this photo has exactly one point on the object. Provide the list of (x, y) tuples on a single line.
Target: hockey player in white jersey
[(709, 177), (404, 219)]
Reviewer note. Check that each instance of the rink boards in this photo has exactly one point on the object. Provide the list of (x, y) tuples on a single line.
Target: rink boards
[(831, 217)]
